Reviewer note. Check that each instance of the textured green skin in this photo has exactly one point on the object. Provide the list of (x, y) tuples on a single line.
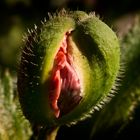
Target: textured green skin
[(120, 110), (99, 46)]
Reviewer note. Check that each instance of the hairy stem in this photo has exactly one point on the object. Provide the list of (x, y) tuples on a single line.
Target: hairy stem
[(51, 135), (44, 133)]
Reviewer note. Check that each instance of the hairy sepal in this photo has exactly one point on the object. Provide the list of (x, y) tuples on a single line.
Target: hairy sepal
[(95, 49)]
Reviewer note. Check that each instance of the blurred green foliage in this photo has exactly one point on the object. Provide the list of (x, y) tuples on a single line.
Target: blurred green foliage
[(10, 44), (13, 126)]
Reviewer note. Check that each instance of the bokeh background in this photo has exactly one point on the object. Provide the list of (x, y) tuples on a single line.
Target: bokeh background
[(16, 16)]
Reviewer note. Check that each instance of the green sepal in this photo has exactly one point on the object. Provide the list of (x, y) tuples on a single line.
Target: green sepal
[(96, 52), (120, 111)]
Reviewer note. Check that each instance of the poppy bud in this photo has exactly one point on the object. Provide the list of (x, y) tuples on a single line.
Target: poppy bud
[(68, 67)]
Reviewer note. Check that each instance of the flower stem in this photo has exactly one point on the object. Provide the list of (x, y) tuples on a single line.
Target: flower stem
[(51, 135), (44, 133)]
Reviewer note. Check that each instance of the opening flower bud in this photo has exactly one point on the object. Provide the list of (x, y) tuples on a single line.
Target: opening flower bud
[(65, 85), (67, 69)]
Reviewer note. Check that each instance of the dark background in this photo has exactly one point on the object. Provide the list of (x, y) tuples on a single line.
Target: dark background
[(22, 14)]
